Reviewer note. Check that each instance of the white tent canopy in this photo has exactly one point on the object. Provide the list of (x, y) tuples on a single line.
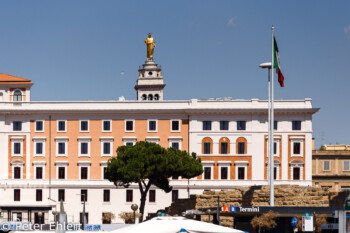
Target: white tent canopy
[(173, 225)]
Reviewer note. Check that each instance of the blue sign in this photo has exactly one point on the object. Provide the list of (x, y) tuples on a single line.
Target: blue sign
[(293, 222)]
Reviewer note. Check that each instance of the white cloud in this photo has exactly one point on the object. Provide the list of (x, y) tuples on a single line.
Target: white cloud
[(347, 31), (231, 22)]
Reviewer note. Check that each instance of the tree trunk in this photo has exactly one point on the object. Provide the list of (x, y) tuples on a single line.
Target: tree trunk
[(143, 199)]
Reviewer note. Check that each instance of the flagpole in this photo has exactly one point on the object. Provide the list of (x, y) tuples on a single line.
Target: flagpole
[(271, 136)]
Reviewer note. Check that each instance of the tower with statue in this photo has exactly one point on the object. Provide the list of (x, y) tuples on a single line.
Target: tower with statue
[(150, 83)]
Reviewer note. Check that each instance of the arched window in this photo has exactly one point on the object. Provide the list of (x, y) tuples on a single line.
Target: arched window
[(224, 146), (156, 97), (207, 146), (144, 97), (17, 95), (241, 146), (150, 97)]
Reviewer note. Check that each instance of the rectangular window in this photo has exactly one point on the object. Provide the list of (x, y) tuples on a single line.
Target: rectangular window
[(241, 148), (83, 195), (17, 195), (84, 148), (207, 173), (84, 125), (207, 148), (39, 195), (296, 173), (175, 125), (346, 165), (129, 126), (104, 173), (275, 125), (275, 173), (39, 126), (83, 173), (129, 144), (17, 148), (296, 148), (206, 125), (224, 148), (62, 126), (174, 195), (241, 173), (17, 173), (61, 173), (39, 148), (326, 165), (224, 173), (223, 125), (106, 195), (274, 148), (241, 125), (17, 126), (61, 195), (61, 148), (175, 145), (39, 172), (106, 125), (86, 218), (296, 125), (129, 195), (152, 125), (106, 148), (152, 195)]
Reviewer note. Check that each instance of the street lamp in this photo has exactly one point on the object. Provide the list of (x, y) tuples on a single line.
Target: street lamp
[(134, 207), (209, 212), (84, 217)]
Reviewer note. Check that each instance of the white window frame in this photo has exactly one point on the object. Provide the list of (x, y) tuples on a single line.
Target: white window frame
[(41, 164), (324, 167), (39, 131), (292, 166), (209, 164), (84, 140), (88, 126), (13, 165), (148, 129), (348, 161), (152, 139), (107, 140), (225, 164), (175, 139), (171, 126), (62, 164), (84, 164), (133, 126), (39, 140), (129, 139), (243, 164), (65, 126), (110, 126), (301, 141), (17, 140), (103, 164), (65, 141)]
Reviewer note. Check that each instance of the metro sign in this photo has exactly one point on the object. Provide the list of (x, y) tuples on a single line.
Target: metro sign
[(228, 209)]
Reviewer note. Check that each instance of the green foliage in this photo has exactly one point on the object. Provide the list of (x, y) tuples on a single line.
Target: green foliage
[(149, 161), (150, 164)]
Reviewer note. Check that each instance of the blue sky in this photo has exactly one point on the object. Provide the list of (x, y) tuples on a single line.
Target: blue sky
[(77, 50)]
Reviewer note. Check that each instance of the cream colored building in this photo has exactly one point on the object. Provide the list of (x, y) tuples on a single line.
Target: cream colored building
[(331, 167)]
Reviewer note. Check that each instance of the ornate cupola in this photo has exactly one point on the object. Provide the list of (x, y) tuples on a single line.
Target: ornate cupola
[(150, 84)]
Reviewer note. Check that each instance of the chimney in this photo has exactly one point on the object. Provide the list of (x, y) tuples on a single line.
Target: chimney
[(313, 143)]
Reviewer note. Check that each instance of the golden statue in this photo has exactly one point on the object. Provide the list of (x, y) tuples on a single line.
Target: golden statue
[(151, 44)]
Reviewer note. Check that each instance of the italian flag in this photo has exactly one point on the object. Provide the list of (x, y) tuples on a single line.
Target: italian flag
[(276, 63)]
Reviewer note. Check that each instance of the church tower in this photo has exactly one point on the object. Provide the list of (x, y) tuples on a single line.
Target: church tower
[(150, 84)]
